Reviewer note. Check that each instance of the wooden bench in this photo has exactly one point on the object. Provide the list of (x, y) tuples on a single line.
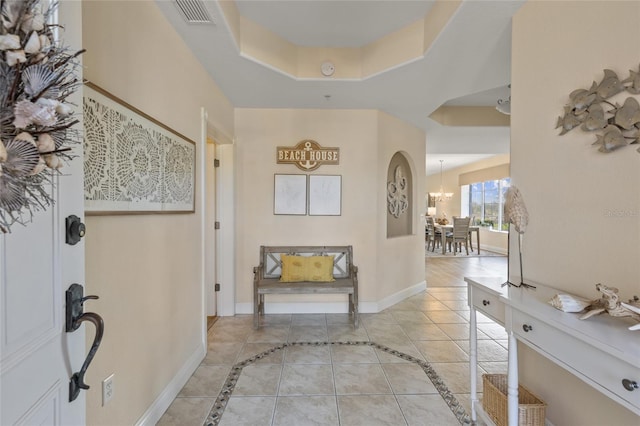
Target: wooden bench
[(266, 276)]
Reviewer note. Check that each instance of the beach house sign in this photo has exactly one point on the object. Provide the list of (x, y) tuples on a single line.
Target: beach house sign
[(308, 155)]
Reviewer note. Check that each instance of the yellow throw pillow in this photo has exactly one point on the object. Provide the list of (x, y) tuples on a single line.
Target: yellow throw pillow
[(320, 268), (294, 268)]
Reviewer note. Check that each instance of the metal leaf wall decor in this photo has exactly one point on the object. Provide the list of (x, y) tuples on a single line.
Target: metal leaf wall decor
[(616, 125)]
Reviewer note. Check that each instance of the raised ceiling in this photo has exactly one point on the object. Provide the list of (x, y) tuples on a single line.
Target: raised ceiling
[(333, 23), (465, 62)]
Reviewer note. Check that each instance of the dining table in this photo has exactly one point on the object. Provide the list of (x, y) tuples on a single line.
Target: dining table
[(449, 228)]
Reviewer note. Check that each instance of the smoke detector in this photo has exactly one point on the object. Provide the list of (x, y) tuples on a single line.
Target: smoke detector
[(327, 68)]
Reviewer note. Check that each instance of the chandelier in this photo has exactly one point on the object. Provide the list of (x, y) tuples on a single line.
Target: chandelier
[(441, 196)]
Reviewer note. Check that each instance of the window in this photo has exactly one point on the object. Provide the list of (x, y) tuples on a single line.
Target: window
[(484, 201)]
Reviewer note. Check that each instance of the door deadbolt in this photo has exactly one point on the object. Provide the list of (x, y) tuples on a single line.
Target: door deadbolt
[(75, 230)]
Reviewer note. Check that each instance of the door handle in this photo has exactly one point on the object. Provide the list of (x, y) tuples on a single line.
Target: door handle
[(75, 316)]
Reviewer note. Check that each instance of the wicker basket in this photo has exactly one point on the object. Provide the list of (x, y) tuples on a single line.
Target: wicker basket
[(531, 409)]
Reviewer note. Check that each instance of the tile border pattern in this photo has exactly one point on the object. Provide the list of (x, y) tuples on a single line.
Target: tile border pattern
[(213, 419)]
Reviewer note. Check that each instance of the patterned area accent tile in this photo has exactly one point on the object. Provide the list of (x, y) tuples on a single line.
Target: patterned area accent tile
[(214, 417)]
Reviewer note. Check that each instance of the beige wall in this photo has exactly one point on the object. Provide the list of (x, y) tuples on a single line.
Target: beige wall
[(365, 151), (146, 268), (491, 240), (570, 189), (401, 259)]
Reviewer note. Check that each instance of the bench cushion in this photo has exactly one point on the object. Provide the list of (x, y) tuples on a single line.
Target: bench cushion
[(294, 268), (320, 268), (306, 268)]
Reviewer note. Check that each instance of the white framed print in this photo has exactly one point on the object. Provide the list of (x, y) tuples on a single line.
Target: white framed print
[(290, 194), (325, 195)]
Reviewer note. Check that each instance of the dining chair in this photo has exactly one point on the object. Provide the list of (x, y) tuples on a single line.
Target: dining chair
[(432, 236), (472, 222), (459, 235)]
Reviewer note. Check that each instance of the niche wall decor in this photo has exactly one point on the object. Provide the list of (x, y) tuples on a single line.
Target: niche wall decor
[(399, 193)]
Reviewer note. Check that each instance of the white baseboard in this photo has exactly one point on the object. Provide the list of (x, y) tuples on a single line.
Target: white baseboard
[(500, 250), (401, 295), (162, 402), (332, 307)]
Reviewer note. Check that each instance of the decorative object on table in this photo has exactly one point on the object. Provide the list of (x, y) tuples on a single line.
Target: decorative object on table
[(441, 196), (397, 193), (37, 76), (569, 302), (515, 213), (633, 308), (610, 303), (133, 163), (443, 220), (619, 126)]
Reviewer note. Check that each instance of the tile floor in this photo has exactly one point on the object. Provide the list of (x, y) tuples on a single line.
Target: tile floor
[(343, 384)]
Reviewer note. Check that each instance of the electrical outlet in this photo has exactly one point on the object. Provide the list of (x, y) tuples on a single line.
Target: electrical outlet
[(107, 389)]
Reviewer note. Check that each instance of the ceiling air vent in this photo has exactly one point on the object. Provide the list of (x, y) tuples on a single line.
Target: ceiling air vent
[(194, 11)]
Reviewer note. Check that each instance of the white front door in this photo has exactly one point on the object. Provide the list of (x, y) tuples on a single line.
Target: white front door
[(37, 356)]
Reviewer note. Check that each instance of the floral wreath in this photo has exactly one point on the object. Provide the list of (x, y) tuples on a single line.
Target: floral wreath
[(620, 126), (37, 75)]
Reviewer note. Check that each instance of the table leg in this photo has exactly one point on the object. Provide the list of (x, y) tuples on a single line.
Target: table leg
[(473, 361), (443, 237), (478, 239), (512, 381)]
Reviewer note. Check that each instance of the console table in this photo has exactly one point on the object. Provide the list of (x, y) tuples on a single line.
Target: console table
[(601, 351)]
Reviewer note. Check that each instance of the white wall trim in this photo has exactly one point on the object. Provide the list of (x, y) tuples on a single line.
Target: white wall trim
[(332, 307), (166, 397), (201, 202), (500, 250), (401, 295)]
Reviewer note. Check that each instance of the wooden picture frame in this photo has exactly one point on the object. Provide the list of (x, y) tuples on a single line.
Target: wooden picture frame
[(290, 194), (325, 195), (133, 164)]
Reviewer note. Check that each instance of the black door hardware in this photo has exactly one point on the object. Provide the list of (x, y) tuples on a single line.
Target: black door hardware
[(75, 316), (75, 230)]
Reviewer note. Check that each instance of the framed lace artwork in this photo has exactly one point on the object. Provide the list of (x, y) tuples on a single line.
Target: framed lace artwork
[(133, 163)]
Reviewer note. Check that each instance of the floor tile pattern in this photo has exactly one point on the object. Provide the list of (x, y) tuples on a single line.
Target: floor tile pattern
[(406, 365), (345, 372)]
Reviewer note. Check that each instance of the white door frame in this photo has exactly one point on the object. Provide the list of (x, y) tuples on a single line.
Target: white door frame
[(209, 217), (224, 251)]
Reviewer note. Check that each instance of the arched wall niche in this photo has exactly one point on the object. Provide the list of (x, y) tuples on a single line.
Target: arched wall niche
[(400, 198)]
